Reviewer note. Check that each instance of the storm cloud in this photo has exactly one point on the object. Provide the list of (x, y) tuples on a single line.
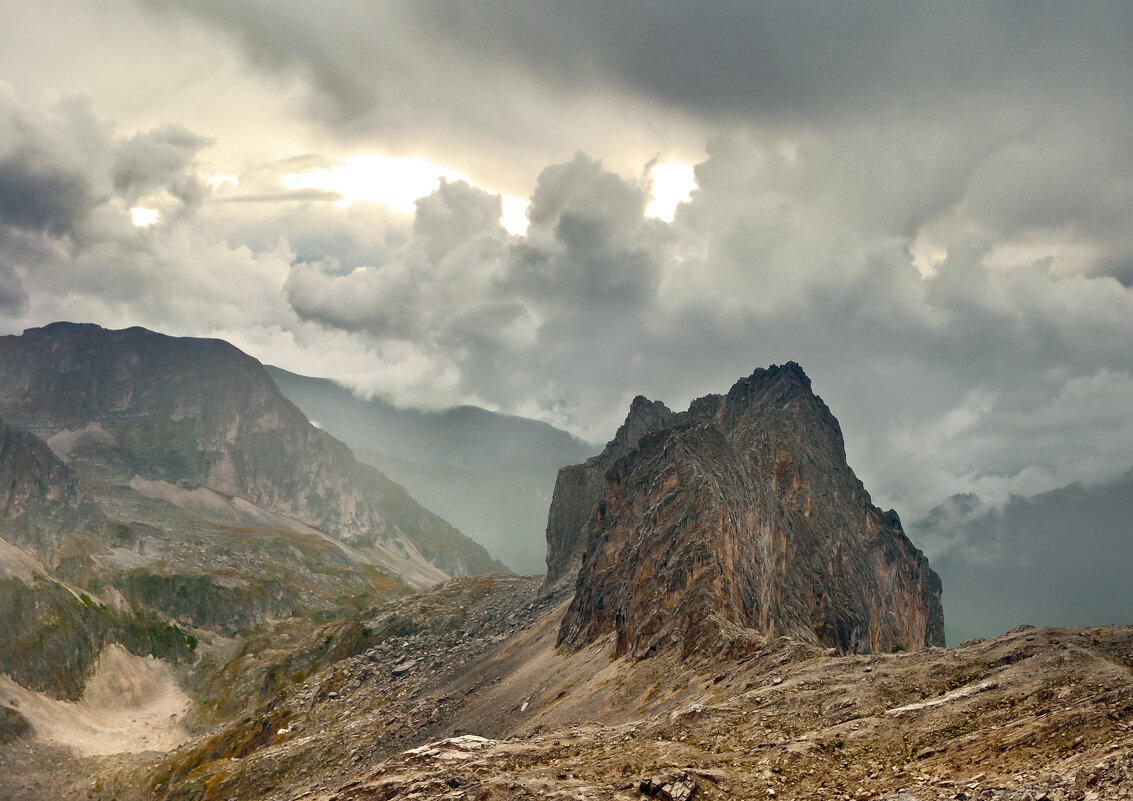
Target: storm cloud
[(1058, 559)]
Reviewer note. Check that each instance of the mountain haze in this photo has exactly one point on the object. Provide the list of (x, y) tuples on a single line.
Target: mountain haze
[(490, 474)]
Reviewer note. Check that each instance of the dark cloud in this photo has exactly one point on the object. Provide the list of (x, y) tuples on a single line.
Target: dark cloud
[(588, 243), (40, 195), (1058, 559), (13, 298), (453, 214), (159, 161), (753, 62)]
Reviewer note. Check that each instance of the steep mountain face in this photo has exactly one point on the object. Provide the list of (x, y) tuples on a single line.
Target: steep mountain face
[(200, 413), (579, 487), (40, 497), (491, 475), (740, 514)]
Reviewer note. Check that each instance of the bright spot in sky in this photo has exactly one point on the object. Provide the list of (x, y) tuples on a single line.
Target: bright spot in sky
[(144, 217), (397, 183), (673, 181), (393, 182), (514, 219), (220, 179)]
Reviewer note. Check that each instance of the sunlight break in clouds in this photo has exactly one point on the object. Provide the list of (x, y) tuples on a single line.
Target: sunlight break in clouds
[(144, 218), (673, 182), (397, 183)]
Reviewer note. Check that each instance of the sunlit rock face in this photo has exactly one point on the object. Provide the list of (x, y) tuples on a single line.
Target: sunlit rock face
[(740, 514), (200, 413)]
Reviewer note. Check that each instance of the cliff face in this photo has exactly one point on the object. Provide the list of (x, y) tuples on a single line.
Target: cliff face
[(40, 497), (742, 513), (198, 412), (579, 487)]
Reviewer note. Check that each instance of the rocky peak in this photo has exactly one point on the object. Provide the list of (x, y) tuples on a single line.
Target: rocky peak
[(742, 514), (578, 488), (645, 416)]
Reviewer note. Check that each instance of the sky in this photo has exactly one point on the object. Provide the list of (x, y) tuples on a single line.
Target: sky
[(546, 209)]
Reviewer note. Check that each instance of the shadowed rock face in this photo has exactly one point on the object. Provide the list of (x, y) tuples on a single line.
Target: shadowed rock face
[(579, 487), (742, 513), (199, 412), (40, 497)]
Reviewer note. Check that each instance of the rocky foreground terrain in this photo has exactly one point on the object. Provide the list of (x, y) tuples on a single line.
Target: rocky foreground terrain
[(459, 692)]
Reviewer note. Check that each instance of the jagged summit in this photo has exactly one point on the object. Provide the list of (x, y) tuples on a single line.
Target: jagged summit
[(40, 497), (739, 514), (579, 487)]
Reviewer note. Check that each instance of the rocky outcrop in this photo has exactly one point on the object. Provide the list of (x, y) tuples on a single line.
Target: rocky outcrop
[(40, 497), (198, 412), (579, 487), (742, 513)]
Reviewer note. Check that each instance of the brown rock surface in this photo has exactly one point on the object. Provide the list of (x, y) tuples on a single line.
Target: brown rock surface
[(579, 487), (493, 710), (743, 514)]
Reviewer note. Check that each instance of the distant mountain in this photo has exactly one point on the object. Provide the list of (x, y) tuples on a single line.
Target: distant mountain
[(1060, 558), (490, 474), (738, 515), (40, 497), (50, 633), (198, 413), (155, 490)]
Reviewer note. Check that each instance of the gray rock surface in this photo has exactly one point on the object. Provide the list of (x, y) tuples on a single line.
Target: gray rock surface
[(579, 487), (40, 496)]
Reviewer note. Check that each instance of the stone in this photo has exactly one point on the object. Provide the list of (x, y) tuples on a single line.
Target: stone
[(402, 668), (740, 514)]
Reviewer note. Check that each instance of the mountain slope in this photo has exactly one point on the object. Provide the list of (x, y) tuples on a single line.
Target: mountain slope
[(199, 413), (50, 633)]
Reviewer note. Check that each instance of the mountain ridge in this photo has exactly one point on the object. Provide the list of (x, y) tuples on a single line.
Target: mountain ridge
[(490, 474), (199, 412)]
